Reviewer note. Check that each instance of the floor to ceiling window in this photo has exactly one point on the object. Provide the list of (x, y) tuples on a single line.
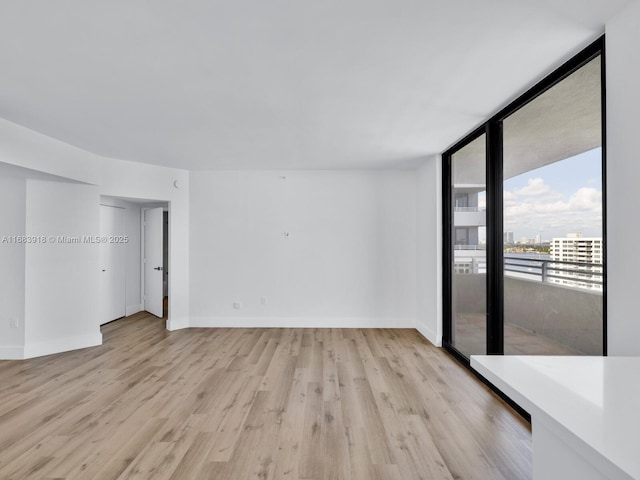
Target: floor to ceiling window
[(524, 229), (469, 266)]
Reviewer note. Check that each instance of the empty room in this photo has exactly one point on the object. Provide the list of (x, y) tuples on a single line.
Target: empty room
[(319, 240)]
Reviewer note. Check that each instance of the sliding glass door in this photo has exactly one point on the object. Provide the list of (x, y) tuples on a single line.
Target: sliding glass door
[(552, 210), (524, 229), (469, 264)]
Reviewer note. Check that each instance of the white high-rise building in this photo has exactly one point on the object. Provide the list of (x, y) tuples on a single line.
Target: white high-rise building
[(508, 238), (584, 257), (470, 219)]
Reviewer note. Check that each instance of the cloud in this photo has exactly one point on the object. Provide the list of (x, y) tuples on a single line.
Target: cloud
[(548, 210), (535, 187), (587, 198), (509, 198)]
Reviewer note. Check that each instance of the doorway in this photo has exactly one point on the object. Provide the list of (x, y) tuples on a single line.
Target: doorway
[(122, 266), (155, 260)]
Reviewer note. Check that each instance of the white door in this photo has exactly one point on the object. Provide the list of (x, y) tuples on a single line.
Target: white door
[(112, 265), (153, 275)]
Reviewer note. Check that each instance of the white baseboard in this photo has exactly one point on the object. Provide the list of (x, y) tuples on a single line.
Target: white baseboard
[(59, 345), (430, 335), (133, 309), (299, 322), (177, 323), (12, 353)]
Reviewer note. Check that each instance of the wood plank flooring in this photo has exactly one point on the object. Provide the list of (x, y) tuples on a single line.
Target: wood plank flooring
[(254, 404)]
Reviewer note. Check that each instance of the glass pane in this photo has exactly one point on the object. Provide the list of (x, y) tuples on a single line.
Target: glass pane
[(469, 269), (553, 246)]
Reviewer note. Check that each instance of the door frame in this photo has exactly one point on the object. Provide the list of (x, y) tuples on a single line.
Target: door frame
[(165, 205)]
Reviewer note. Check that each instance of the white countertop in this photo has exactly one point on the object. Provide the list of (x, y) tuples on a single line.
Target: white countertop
[(594, 400)]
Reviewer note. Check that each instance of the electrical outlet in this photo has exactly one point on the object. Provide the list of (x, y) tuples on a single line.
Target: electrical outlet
[(263, 300), (14, 322), (237, 305)]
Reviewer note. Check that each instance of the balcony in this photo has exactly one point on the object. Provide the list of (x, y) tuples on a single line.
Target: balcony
[(542, 316), (469, 216)]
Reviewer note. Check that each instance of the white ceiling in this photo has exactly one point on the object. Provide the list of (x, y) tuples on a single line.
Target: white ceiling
[(206, 84)]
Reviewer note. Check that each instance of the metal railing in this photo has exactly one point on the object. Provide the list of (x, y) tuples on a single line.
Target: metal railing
[(469, 247), (469, 209), (547, 270)]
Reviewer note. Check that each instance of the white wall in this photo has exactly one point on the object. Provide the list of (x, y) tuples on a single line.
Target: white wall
[(12, 222), (429, 255), (350, 259), (61, 279), (28, 149), (623, 178)]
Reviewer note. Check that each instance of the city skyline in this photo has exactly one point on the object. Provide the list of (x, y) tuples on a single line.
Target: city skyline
[(509, 238)]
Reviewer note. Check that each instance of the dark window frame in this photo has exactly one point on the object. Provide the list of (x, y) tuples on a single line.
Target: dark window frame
[(494, 179)]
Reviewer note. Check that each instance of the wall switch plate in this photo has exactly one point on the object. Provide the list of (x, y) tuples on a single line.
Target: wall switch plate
[(263, 300), (237, 305)]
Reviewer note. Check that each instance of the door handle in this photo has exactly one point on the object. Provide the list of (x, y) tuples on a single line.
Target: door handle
[(158, 268)]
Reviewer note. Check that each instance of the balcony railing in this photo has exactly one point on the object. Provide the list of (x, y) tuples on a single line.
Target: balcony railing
[(469, 247), (555, 271), (559, 272), (469, 209)]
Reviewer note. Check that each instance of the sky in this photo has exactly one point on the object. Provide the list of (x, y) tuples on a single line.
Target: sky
[(557, 199)]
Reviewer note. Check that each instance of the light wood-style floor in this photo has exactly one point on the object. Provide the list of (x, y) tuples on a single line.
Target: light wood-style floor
[(254, 404)]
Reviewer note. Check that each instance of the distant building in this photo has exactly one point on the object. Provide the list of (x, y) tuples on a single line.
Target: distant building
[(508, 238), (538, 240), (585, 258), (470, 254)]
